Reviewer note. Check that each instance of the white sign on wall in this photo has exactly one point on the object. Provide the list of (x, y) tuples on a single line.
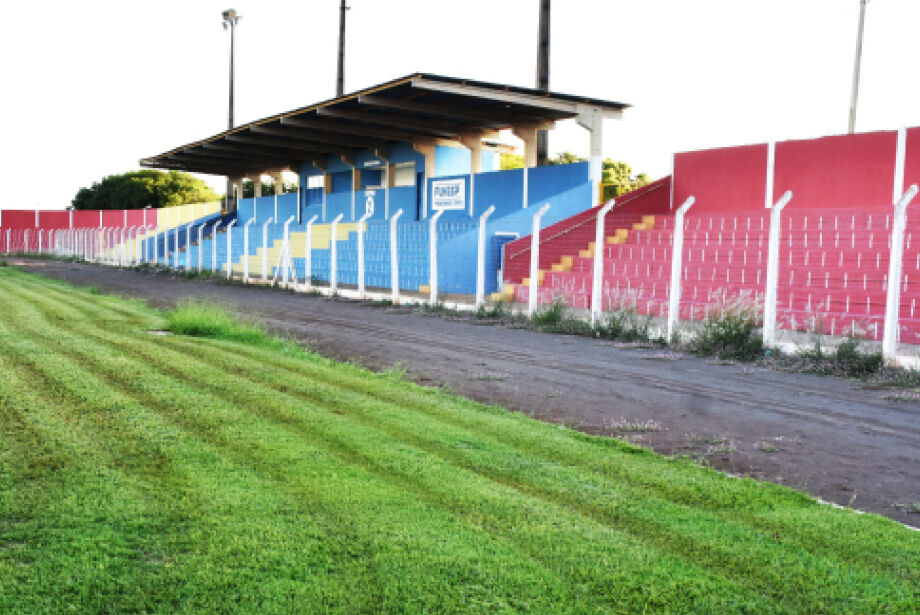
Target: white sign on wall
[(448, 194)]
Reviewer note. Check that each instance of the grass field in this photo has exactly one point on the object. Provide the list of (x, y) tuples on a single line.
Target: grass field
[(239, 474)]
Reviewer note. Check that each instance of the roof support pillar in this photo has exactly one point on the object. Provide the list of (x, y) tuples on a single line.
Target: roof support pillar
[(426, 149), (278, 180), (592, 120), (257, 186), (474, 143), (528, 134)]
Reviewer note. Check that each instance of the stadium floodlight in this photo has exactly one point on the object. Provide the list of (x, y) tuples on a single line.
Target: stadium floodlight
[(230, 19)]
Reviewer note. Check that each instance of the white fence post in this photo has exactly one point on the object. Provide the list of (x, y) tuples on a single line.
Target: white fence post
[(265, 249), (39, 242), (535, 260), (308, 254), (246, 250), (200, 246), (677, 257), (362, 227), (597, 279), (433, 257), (394, 257), (481, 257), (333, 255), (176, 249), (287, 258), (893, 299), (229, 258), (770, 292), (214, 246)]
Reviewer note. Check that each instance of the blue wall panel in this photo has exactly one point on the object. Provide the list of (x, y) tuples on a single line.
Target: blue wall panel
[(504, 189), (451, 161)]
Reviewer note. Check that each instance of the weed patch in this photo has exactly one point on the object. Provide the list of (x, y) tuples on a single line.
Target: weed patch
[(200, 319), (730, 331)]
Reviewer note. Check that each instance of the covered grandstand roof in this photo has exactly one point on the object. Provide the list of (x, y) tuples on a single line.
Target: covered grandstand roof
[(415, 108)]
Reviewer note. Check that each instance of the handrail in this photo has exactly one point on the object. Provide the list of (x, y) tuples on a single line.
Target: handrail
[(589, 219)]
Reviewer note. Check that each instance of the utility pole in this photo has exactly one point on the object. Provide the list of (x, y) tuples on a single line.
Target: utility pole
[(230, 19), (543, 76), (859, 41), (340, 80)]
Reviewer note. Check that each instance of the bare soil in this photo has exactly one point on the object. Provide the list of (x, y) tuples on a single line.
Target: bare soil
[(827, 436)]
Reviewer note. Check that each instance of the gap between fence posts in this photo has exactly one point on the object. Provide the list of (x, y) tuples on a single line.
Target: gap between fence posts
[(895, 261), (333, 254), (433, 257), (481, 257), (535, 260), (676, 265), (394, 258), (265, 249), (770, 292), (246, 250), (308, 254), (597, 278), (362, 228), (188, 247)]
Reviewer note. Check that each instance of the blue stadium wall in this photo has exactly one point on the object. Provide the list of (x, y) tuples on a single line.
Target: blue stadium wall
[(565, 187)]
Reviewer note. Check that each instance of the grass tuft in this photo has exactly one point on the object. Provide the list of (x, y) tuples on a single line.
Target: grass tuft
[(202, 319)]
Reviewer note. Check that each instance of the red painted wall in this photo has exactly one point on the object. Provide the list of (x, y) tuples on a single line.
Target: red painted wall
[(86, 219), (136, 217), (54, 219), (724, 179), (840, 171), (18, 218), (912, 158), (113, 218)]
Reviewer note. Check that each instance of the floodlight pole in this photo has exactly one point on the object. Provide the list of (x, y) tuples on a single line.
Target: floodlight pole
[(542, 83), (856, 63), (340, 78), (230, 19)]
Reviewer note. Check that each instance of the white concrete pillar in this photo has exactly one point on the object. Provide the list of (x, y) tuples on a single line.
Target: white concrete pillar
[(527, 134), (592, 120)]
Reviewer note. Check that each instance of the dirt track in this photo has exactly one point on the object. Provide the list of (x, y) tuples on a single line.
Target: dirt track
[(822, 435)]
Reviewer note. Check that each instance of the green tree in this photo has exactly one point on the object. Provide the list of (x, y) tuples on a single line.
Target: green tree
[(511, 161), (138, 189), (618, 178), (566, 158), (268, 188)]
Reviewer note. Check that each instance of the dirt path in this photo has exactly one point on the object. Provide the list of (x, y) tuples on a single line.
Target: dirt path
[(822, 435)]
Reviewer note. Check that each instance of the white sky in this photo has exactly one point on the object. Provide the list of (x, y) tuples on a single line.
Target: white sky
[(91, 87)]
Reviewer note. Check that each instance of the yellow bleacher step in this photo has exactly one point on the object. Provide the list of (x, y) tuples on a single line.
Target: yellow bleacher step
[(587, 253), (564, 264), (619, 236), (540, 276), (424, 288)]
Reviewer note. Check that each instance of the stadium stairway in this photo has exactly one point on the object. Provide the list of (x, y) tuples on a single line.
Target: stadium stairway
[(833, 267)]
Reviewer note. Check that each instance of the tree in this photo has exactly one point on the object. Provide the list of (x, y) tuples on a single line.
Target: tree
[(566, 158), (268, 188), (511, 161), (138, 189), (618, 179)]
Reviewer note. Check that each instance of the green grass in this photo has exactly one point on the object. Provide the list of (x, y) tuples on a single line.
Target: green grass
[(180, 474)]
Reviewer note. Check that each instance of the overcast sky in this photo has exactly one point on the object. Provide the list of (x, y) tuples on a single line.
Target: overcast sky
[(91, 87)]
